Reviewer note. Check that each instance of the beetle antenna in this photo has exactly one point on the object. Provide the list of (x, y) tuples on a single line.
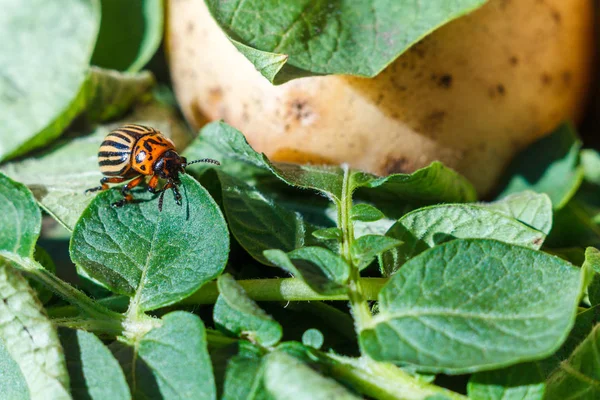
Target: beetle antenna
[(160, 200), (204, 160)]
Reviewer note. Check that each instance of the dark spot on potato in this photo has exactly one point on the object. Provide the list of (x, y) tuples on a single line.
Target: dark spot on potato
[(379, 99), (286, 127), (198, 116), (556, 16), (445, 81), (514, 61), (215, 95), (299, 109), (567, 76), (189, 27), (397, 165), (546, 79), (432, 123), (501, 89), (396, 85)]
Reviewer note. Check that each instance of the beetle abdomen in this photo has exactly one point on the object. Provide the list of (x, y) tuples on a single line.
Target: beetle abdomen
[(114, 156)]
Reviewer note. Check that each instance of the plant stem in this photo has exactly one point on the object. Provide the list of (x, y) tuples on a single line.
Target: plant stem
[(360, 308), (62, 288), (99, 326)]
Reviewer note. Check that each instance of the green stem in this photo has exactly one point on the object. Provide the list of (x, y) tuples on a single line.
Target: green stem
[(62, 288), (360, 308), (99, 326)]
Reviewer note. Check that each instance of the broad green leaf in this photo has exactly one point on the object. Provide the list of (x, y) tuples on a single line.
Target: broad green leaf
[(367, 247), (324, 271), (130, 33), (365, 213), (328, 234), (430, 226), (317, 38), (579, 376), (472, 305), (287, 377), (243, 378), (30, 338), (312, 338), (518, 382), (257, 222), (550, 165), (46, 50), (239, 315), (21, 218), (94, 372), (170, 362), (533, 209), (110, 94), (373, 228), (158, 258), (12, 383), (59, 176)]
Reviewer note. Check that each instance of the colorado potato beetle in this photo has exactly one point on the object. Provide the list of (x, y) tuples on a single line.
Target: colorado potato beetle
[(136, 151)]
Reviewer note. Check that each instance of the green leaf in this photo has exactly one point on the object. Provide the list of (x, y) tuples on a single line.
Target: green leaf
[(573, 226), (94, 372), (239, 315), (243, 377), (43, 64), (30, 338), (550, 165), (312, 338), (518, 382), (367, 247), (257, 222), (430, 226), (533, 209), (130, 34), (21, 218), (60, 175), (590, 160), (592, 263), (317, 38), (579, 376), (12, 385), (365, 213), (287, 377), (324, 271), (328, 234), (170, 362), (41, 256), (472, 305), (109, 94), (158, 258)]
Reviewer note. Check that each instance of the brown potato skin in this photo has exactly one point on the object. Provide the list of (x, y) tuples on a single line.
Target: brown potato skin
[(471, 94)]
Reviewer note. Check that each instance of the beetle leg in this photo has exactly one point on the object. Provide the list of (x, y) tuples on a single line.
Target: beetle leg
[(176, 194), (103, 183), (162, 191), (152, 184), (128, 198)]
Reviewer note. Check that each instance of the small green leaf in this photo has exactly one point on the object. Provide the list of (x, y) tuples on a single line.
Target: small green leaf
[(312, 338), (30, 337), (550, 165), (158, 258), (94, 372), (367, 247), (590, 160), (518, 382), (237, 314), (474, 304), (430, 226), (130, 34), (317, 38), (257, 222), (12, 385), (328, 234), (243, 377), (366, 213), (286, 377), (592, 263), (44, 62), (533, 209), (324, 271), (170, 362), (579, 376)]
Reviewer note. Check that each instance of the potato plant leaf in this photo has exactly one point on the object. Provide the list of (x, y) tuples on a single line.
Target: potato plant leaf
[(130, 34), (579, 376), (592, 262), (94, 372), (480, 303), (170, 362), (531, 208), (367, 247), (550, 165), (158, 258), (243, 377), (312, 338), (257, 222), (317, 38), (38, 103), (590, 160), (286, 377), (13, 384), (324, 271), (517, 382), (365, 213), (430, 226), (239, 315)]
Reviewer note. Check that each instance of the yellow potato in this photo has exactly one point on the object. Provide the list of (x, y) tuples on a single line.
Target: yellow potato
[(471, 94)]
